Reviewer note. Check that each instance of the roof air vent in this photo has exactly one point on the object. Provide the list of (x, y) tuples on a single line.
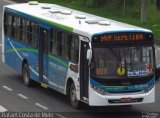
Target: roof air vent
[(92, 21), (54, 11), (104, 22), (80, 16), (66, 12), (33, 2), (46, 7)]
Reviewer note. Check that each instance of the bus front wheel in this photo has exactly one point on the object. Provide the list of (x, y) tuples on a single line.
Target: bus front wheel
[(25, 75), (73, 97)]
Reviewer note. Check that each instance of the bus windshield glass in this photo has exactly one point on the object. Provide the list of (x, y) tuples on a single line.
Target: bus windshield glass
[(122, 61)]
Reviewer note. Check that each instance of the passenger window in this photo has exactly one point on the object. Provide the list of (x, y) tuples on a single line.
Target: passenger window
[(64, 37), (24, 35), (65, 45), (34, 35), (75, 48), (54, 42), (8, 25)]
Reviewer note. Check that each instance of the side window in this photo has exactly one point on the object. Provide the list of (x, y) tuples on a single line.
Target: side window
[(16, 27), (34, 35), (5, 21), (54, 42), (7, 24), (74, 54), (65, 45), (59, 43), (21, 29), (26, 31), (64, 37)]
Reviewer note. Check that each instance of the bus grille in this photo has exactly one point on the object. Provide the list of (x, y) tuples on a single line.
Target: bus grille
[(114, 101)]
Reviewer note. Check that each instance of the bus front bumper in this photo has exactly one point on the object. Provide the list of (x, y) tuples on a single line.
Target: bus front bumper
[(96, 99)]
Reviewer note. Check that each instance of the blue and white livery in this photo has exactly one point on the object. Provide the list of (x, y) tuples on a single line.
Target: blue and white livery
[(92, 59)]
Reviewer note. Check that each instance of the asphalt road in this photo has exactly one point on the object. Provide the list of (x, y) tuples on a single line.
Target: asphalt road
[(16, 97)]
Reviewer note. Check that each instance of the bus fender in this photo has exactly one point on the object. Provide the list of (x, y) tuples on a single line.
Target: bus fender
[(68, 84)]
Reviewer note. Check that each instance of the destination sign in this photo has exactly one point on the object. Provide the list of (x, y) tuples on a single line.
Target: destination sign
[(122, 37)]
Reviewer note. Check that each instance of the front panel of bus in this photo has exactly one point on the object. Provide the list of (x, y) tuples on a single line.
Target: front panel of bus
[(122, 69)]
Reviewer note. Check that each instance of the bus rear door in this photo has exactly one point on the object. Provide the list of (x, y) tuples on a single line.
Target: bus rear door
[(43, 56)]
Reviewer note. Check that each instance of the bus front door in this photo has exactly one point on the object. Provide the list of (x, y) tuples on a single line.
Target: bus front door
[(84, 80), (43, 55)]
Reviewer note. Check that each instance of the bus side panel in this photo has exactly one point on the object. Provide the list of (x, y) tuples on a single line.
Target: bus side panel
[(57, 73), (16, 52), (10, 54), (32, 59)]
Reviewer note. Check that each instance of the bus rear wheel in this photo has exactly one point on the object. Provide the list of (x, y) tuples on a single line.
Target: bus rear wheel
[(73, 97), (25, 75)]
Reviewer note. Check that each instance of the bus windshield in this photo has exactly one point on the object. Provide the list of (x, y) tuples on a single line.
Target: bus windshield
[(122, 61)]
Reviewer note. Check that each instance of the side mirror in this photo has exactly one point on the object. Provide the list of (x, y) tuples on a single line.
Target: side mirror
[(89, 54)]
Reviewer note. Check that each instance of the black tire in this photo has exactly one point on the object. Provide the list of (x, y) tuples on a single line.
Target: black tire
[(73, 98), (25, 75)]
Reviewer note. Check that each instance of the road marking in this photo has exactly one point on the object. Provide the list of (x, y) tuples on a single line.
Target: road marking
[(22, 96), (60, 115), (9, 1), (0, 45), (158, 48), (42, 106), (2, 109), (7, 88)]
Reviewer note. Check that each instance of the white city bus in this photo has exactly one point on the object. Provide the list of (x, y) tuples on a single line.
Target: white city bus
[(91, 59)]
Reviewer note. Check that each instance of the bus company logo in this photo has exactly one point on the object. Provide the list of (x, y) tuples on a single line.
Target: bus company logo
[(150, 115)]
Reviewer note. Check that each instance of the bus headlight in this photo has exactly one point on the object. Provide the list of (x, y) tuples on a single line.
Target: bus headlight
[(99, 90)]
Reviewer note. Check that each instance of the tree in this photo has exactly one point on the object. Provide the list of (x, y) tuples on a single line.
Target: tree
[(144, 11), (158, 5), (96, 3), (124, 6)]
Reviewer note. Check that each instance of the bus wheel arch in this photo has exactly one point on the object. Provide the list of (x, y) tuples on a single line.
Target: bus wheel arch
[(71, 92), (25, 73), (23, 62), (69, 82)]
